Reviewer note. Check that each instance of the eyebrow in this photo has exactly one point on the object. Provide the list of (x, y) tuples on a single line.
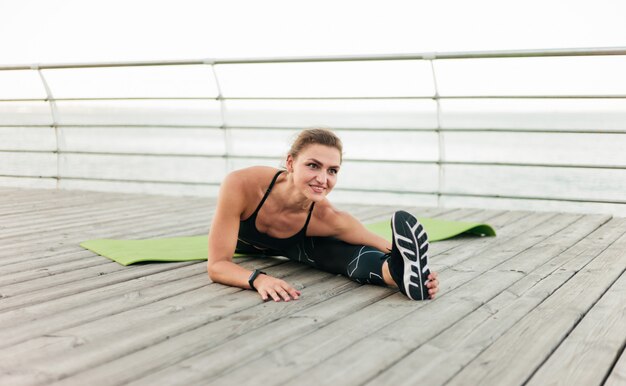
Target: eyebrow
[(321, 163)]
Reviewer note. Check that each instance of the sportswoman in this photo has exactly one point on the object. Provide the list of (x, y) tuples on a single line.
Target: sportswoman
[(286, 213)]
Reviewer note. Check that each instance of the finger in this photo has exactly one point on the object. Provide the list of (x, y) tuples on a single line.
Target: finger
[(293, 292), (283, 294), (273, 294), (263, 294)]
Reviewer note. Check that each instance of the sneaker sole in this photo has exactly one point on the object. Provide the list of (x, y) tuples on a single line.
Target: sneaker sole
[(412, 243)]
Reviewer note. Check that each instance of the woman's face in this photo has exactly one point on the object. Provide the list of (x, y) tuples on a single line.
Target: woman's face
[(315, 170)]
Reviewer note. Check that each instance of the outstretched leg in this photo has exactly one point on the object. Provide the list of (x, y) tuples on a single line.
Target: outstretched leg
[(405, 267), (360, 263)]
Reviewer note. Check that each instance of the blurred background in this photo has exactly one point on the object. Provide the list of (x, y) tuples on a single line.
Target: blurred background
[(488, 104)]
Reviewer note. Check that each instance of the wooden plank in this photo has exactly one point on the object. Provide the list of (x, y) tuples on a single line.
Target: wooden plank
[(141, 187), (213, 360), (39, 208), (47, 198), (260, 341), (89, 229), (35, 200), (162, 223), (538, 334), (80, 308), (382, 346), (587, 354), (454, 251), (242, 313), (19, 284), (45, 266), (534, 205), (618, 373), (60, 212), (65, 218), (94, 279), (455, 347), (313, 348)]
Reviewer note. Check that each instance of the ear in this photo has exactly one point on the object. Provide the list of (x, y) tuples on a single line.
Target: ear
[(289, 164)]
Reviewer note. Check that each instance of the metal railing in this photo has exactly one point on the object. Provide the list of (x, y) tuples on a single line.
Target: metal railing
[(430, 57)]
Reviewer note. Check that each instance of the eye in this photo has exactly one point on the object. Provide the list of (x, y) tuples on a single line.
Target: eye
[(312, 165), (333, 171)]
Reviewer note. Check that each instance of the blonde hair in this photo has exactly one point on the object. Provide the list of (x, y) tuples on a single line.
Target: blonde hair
[(319, 136)]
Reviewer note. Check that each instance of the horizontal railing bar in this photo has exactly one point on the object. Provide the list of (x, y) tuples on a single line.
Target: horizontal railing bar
[(110, 99), (440, 97), (603, 51), (375, 129), (357, 160)]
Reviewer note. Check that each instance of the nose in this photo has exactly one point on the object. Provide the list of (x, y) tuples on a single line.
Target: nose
[(321, 178)]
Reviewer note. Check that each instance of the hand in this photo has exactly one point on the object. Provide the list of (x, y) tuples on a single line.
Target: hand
[(433, 284), (277, 289)]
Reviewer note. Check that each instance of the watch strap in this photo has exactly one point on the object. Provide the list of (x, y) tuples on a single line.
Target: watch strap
[(253, 277)]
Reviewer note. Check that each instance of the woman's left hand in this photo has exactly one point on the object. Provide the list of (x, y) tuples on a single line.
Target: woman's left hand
[(433, 284)]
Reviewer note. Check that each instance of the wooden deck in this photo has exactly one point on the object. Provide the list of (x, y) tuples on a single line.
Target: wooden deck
[(541, 303)]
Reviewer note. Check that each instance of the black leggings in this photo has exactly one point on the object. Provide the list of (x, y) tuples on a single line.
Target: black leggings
[(360, 263)]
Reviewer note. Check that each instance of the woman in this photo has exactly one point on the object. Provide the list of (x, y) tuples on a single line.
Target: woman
[(286, 213)]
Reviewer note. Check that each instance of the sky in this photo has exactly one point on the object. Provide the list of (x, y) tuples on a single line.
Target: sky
[(53, 31)]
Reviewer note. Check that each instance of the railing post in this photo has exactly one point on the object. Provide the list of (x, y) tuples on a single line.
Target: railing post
[(223, 126), (55, 121), (441, 153)]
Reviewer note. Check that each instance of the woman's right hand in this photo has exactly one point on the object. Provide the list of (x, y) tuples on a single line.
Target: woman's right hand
[(277, 289)]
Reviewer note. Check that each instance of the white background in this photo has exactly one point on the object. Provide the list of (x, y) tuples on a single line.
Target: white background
[(45, 31)]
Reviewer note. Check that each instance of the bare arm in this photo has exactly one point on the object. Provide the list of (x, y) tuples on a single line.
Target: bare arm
[(223, 235), (223, 242), (350, 230)]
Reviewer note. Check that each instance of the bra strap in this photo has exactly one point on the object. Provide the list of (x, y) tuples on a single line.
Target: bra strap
[(267, 193), (308, 218)]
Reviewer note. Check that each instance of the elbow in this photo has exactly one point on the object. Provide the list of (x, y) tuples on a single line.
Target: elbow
[(212, 271)]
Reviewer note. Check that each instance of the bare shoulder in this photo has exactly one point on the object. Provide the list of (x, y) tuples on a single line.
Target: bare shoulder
[(242, 188), (248, 180)]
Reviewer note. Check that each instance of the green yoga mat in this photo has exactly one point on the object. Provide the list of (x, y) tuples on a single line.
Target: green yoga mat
[(128, 252)]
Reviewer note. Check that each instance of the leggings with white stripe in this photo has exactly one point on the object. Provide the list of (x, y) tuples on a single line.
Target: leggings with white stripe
[(360, 263)]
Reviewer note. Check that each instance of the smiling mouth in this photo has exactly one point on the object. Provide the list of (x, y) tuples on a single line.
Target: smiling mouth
[(317, 189)]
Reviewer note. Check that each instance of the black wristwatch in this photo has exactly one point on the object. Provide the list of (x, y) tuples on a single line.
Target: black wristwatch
[(253, 277)]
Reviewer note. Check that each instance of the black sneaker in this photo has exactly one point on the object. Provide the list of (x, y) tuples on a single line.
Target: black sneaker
[(408, 263)]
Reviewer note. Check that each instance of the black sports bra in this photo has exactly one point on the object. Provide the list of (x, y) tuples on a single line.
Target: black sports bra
[(249, 234)]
